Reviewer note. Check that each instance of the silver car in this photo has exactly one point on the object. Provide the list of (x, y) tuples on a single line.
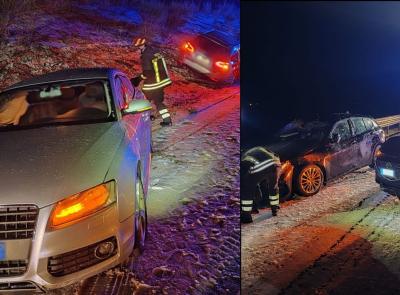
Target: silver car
[(75, 153)]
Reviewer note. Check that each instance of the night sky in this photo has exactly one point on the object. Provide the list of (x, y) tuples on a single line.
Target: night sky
[(303, 60)]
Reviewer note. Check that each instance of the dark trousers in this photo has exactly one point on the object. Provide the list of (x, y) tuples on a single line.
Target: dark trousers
[(253, 186), (156, 96)]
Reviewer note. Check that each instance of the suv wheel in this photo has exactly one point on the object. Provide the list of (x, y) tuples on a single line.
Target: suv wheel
[(309, 181)]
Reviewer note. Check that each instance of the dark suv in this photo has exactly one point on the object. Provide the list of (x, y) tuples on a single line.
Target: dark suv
[(214, 54), (387, 166), (317, 152)]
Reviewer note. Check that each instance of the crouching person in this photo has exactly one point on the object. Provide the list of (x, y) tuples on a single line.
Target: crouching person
[(258, 165)]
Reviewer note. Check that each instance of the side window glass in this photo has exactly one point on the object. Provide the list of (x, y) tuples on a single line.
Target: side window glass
[(121, 95), (368, 124), (343, 130), (125, 93), (127, 90), (359, 127)]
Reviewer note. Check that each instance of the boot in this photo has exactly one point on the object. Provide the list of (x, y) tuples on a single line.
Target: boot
[(255, 211), (274, 209), (166, 122), (245, 217)]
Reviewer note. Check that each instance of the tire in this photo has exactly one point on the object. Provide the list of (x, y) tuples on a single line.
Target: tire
[(309, 180), (140, 217), (376, 149)]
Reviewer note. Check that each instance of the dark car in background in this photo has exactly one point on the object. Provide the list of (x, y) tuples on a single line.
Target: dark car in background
[(387, 168), (214, 54), (317, 152)]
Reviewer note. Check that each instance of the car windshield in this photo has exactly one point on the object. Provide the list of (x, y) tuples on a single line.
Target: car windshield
[(55, 103)]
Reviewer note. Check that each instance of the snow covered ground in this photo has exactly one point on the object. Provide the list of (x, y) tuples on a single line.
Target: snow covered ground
[(343, 240), (194, 232)]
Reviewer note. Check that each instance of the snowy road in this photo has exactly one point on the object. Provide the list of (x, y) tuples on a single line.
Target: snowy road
[(344, 240), (194, 237)]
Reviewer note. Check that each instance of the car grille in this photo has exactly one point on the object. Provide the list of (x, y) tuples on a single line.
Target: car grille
[(77, 260), (21, 286), (17, 221), (10, 268)]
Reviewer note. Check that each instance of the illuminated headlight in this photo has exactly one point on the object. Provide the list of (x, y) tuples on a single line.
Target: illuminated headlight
[(82, 204), (387, 172)]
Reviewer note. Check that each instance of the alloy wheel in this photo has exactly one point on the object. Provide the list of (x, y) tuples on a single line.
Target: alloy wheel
[(310, 180)]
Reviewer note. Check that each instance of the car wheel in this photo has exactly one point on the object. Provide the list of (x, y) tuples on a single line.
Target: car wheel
[(374, 155), (309, 181), (140, 217)]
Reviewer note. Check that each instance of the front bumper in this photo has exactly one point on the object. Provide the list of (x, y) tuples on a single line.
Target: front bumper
[(47, 243)]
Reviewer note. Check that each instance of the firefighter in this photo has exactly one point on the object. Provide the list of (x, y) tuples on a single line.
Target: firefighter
[(258, 167), (155, 76)]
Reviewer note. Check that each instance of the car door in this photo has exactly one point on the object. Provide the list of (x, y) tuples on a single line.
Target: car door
[(341, 152), (138, 126), (364, 141)]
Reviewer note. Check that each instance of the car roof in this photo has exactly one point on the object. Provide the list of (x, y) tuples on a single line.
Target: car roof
[(221, 38), (66, 75)]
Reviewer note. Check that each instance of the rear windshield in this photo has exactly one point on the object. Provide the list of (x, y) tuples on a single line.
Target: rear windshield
[(211, 46), (73, 102)]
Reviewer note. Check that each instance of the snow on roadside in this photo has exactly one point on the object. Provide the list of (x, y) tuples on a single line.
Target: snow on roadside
[(268, 243)]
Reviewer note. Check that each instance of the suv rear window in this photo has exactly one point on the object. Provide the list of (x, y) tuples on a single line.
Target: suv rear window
[(211, 46)]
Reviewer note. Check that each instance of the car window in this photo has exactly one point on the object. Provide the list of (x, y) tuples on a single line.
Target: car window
[(342, 128), (212, 46), (368, 124), (359, 126), (123, 91), (66, 102)]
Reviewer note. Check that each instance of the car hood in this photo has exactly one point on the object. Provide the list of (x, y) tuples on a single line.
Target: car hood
[(295, 146), (391, 147), (44, 165)]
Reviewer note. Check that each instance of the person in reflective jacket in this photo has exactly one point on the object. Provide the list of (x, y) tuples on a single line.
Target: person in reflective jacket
[(155, 76), (258, 166)]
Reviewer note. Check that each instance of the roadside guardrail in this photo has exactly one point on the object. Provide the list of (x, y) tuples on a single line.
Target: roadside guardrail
[(391, 124)]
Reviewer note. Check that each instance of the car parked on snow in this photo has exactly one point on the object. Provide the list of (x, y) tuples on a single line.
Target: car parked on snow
[(75, 157), (387, 168), (317, 152), (214, 54)]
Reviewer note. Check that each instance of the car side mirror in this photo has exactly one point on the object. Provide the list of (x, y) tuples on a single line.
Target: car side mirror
[(335, 138), (137, 106)]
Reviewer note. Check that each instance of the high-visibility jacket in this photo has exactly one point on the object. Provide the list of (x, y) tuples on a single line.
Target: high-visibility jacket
[(254, 164), (155, 72), (260, 159)]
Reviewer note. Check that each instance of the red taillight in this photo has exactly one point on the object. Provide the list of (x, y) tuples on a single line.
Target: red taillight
[(188, 47), (222, 65)]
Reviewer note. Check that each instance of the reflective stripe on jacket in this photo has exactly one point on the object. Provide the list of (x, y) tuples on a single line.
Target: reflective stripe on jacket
[(260, 159), (155, 70)]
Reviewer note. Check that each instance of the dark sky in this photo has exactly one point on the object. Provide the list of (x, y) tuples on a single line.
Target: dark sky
[(300, 59)]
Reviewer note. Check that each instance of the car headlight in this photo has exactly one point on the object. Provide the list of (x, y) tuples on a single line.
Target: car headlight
[(82, 204)]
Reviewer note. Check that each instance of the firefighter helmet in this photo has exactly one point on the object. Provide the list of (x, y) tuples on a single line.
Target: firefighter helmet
[(139, 41)]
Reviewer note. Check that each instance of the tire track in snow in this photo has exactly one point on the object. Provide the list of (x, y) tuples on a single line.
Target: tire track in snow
[(296, 284)]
